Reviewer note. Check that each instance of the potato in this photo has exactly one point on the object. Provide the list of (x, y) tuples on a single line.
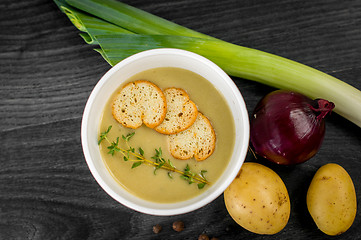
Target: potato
[(258, 200), (331, 199)]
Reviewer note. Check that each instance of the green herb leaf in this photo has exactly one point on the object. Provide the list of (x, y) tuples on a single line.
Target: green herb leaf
[(201, 185), (185, 177), (202, 174), (103, 135), (160, 165), (156, 152), (114, 147), (141, 151), (171, 164), (128, 136), (136, 164)]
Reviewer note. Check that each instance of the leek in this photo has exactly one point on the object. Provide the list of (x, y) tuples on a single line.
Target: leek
[(154, 32), (133, 19), (89, 25)]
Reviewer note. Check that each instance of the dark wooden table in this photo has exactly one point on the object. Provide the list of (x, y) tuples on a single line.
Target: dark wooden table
[(47, 73)]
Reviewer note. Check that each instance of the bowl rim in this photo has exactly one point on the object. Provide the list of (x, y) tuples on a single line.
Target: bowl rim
[(171, 207)]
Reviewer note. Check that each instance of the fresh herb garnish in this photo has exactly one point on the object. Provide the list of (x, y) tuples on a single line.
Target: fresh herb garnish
[(103, 135), (129, 154), (114, 147)]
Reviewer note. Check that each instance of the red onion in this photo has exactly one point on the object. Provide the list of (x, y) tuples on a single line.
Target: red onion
[(287, 127)]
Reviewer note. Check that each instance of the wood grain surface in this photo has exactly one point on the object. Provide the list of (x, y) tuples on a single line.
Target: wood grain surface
[(47, 73)]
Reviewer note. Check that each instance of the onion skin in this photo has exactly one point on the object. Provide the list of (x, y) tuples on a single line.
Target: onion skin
[(287, 127)]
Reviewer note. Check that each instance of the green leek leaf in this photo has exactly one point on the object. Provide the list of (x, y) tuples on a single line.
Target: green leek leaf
[(88, 24), (133, 19)]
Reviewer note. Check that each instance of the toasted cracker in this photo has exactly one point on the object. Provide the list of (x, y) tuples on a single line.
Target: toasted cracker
[(181, 112), (197, 141), (139, 102)]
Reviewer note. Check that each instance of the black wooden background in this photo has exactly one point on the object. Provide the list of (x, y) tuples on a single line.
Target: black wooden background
[(47, 73)]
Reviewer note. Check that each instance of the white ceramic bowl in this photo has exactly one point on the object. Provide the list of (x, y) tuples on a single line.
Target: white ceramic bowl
[(152, 59)]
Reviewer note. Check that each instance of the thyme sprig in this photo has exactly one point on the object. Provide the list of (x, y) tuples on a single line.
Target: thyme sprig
[(138, 158)]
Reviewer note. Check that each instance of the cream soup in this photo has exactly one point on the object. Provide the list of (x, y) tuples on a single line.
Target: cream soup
[(159, 187)]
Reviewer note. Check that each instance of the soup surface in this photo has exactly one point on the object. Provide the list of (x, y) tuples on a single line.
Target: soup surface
[(141, 181)]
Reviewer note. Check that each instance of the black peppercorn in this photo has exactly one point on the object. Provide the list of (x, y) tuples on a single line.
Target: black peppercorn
[(203, 237), (178, 226), (157, 228)]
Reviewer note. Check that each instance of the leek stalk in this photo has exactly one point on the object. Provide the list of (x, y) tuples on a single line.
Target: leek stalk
[(155, 32)]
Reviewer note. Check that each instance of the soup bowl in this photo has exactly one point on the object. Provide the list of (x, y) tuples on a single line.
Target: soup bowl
[(142, 61)]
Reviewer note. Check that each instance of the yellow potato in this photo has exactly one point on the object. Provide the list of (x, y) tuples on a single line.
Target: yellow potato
[(331, 199), (258, 200)]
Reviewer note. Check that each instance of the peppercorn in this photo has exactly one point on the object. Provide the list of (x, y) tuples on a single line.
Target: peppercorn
[(157, 228), (203, 237), (178, 226)]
